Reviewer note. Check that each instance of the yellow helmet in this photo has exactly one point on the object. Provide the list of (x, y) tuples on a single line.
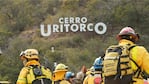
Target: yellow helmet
[(59, 72), (30, 54), (61, 67)]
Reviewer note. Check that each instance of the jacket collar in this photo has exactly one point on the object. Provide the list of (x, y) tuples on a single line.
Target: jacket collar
[(124, 41), (32, 62)]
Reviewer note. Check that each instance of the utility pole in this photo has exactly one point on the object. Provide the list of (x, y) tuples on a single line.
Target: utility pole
[(0, 51), (52, 49)]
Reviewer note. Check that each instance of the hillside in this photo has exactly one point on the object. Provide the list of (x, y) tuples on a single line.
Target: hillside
[(20, 22)]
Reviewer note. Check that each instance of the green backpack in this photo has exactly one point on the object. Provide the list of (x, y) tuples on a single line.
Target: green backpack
[(116, 62)]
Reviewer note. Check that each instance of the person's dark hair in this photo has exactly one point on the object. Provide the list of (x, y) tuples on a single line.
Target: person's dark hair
[(127, 37), (98, 69)]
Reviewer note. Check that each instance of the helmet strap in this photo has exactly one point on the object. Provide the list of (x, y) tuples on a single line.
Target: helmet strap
[(25, 61)]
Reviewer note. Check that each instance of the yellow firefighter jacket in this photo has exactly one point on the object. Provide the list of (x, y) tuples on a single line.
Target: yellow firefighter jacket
[(141, 56), (25, 78), (59, 77)]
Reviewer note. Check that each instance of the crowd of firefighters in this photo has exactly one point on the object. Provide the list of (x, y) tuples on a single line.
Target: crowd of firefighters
[(62, 75)]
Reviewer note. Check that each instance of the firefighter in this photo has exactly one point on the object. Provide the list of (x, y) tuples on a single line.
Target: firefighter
[(30, 58), (139, 55)]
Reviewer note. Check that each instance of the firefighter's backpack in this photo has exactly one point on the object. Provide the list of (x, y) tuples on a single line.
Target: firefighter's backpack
[(97, 80), (94, 79), (38, 75), (117, 61)]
